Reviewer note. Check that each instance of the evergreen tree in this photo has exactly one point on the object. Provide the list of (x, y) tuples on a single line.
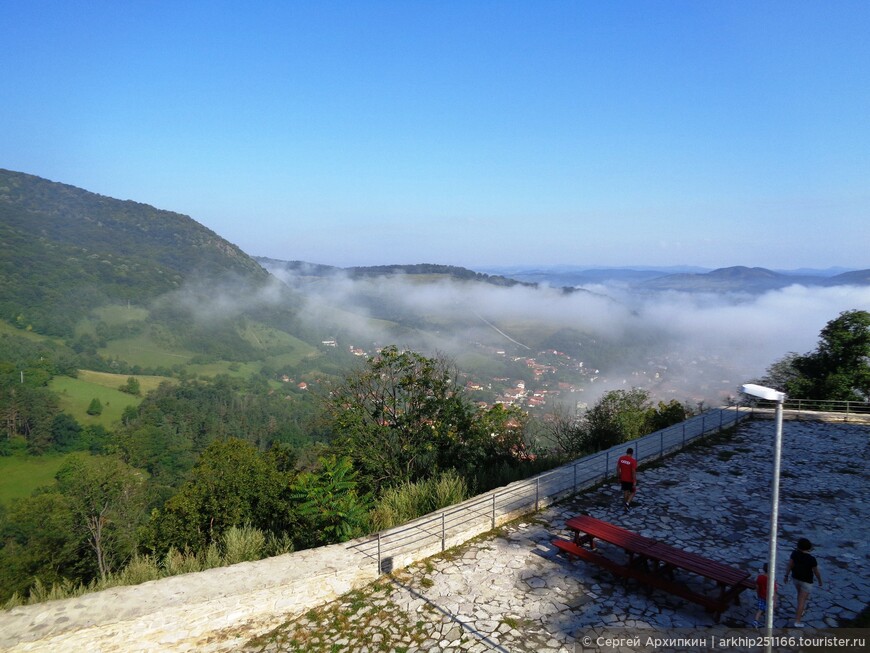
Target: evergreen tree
[(95, 407)]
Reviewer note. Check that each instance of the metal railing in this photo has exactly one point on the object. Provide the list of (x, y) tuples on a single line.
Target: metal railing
[(427, 535), (827, 406)]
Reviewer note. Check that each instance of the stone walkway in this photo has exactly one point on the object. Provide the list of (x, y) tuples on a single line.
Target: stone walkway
[(511, 592)]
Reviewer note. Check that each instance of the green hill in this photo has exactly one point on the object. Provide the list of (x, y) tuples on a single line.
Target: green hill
[(135, 290), (65, 251)]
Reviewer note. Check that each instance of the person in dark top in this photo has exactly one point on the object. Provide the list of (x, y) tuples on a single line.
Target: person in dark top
[(802, 567)]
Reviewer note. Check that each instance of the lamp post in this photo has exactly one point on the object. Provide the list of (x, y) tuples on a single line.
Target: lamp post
[(770, 394)]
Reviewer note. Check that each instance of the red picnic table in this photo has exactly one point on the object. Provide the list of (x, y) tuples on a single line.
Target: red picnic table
[(654, 563)]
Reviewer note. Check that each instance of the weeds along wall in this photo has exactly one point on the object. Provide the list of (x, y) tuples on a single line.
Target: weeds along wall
[(218, 609)]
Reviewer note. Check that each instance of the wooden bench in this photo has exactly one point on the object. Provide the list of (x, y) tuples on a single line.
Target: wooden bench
[(654, 563)]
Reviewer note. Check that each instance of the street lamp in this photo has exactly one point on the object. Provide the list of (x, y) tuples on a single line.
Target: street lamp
[(770, 394)]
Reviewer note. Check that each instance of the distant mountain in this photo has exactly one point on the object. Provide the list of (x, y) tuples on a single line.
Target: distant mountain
[(854, 278), (749, 280), (816, 272), (301, 268), (739, 279), (569, 276), (65, 251)]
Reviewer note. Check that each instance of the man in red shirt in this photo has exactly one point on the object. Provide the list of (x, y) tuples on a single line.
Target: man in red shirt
[(626, 471)]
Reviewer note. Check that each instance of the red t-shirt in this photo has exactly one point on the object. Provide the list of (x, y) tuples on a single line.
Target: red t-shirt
[(626, 466), (761, 586)]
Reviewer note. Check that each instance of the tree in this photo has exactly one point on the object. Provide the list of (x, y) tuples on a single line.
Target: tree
[(497, 434), (568, 432), (401, 418), (131, 386), (328, 504), (619, 416), (95, 407), (781, 373), (28, 411), (666, 414), (38, 539), (232, 484), (839, 368), (106, 498), (66, 432)]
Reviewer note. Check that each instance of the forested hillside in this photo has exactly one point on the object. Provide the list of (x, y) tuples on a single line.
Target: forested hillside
[(64, 251)]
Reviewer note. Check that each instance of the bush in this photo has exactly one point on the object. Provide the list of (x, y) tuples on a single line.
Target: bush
[(403, 503), (176, 562), (95, 407), (243, 544), (140, 569), (277, 545)]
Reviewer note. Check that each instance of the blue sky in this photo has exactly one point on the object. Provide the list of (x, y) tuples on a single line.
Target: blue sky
[(464, 133)]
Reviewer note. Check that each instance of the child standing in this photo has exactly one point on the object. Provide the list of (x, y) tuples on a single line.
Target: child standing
[(761, 595)]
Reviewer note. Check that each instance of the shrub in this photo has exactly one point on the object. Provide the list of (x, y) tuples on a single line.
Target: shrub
[(403, 503), (243, 544), (278, 544), (140, 569), (176, 562)]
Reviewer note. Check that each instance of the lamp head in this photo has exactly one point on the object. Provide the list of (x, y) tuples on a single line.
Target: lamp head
[(763, 392)]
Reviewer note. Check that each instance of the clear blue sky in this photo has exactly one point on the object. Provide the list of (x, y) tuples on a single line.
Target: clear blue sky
[(466, 133)]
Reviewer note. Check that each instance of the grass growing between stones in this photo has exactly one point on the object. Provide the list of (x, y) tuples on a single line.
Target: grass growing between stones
[(360, 620)]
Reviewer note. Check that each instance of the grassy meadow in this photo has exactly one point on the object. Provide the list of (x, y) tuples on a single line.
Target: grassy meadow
[(114, 381), (20, 475), (143, 351), (76, 395)]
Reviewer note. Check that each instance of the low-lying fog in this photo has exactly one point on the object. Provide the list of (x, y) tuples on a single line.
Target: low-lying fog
[(747, 333)]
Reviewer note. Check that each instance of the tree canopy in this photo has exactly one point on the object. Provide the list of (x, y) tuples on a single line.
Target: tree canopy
[(839, 367), (403, 418)]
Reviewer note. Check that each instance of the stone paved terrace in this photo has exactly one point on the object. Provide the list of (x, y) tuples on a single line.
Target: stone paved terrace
[(509, 591)]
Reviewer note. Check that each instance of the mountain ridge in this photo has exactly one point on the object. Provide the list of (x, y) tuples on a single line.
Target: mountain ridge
[(736, 278)]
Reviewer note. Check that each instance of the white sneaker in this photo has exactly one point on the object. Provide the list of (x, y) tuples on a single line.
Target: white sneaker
[(798, 624)]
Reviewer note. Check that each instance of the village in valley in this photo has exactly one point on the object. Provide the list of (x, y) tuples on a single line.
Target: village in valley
[(553, 378)]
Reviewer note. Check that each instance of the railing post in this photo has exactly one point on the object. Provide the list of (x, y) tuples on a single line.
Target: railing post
[(684, 433), (443, 538), (537, 491), (720, 420), (606, 463), (493, 509), (661, 444), (379, 554), (575, 477), (704, 424)]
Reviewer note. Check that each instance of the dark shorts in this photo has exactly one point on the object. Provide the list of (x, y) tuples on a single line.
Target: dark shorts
[(627, 486)]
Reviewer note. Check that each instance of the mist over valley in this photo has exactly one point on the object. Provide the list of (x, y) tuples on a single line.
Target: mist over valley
[(689, 345)]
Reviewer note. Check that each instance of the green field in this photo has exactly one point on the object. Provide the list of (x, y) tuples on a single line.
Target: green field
[(20, 475), (76, 395), (143, 351), (114, 381), (239, 370)]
